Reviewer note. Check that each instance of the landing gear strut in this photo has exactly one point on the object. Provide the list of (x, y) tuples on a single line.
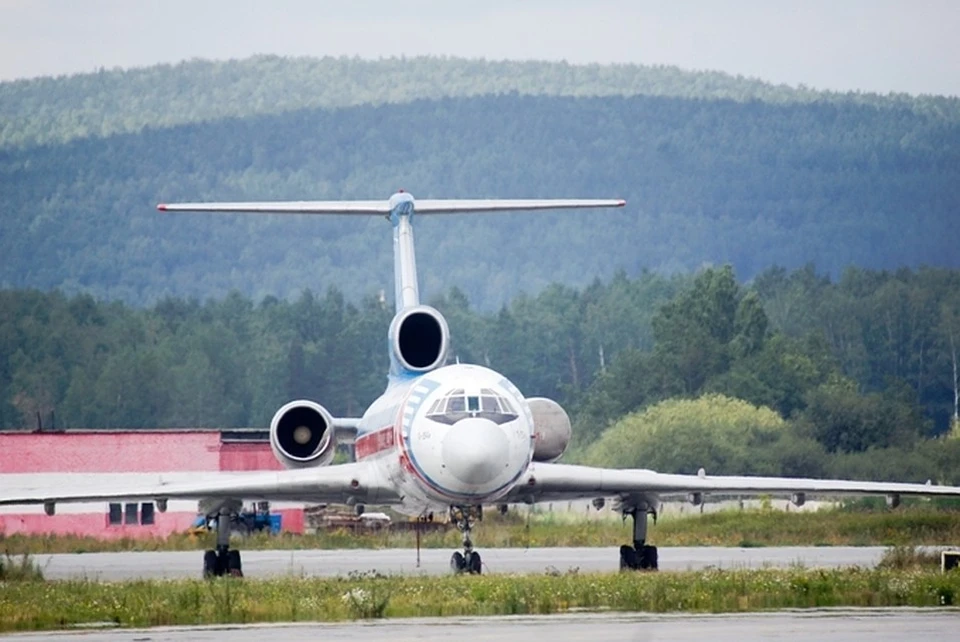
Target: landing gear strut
[(223, 560), (639, 556), (469, 560)]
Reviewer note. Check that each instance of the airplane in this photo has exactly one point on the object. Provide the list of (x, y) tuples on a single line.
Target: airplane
[(443, 437)]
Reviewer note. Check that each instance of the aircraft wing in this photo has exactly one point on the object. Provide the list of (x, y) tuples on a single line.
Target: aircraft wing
[(360, 482), (559, 482)]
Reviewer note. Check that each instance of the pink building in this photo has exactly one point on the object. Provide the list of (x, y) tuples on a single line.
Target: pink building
[(76, 457)]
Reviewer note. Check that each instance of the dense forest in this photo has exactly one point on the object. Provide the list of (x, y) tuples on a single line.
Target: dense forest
[(792, 374), (51, 110), (716, 170)]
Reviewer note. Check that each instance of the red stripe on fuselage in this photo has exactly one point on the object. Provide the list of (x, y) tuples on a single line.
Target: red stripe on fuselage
[(375, 442)]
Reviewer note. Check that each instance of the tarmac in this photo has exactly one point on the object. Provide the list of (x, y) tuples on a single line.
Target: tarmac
[(829, 625), (332, 563)]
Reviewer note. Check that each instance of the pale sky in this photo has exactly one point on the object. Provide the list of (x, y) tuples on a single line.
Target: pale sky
[(871, 45)]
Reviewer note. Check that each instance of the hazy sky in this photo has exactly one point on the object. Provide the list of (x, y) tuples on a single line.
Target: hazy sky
[(873, 45)]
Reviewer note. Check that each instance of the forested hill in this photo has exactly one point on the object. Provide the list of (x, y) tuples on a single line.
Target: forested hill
[(752, 181), (58, 109)]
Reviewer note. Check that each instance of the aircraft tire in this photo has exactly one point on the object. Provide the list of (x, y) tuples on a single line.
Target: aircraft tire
[(210, 560), (649, 558), (457, 562), (474, 564), (234, 565)]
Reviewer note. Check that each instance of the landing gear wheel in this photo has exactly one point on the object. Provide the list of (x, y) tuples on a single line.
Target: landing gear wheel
[(234, 566), (210, 562), (649, 558), (642, 558), (474, 563), (457, 563)]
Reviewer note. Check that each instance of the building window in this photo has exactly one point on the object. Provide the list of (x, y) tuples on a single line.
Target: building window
[(116, 514), (130, 514), (146, 513)]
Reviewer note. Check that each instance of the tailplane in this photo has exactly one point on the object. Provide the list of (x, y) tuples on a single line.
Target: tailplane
[(400, 209)]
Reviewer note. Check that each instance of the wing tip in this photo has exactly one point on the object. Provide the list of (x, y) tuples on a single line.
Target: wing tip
[(162, 207)]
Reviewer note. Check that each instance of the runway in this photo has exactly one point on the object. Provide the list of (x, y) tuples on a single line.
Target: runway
[(831, 625), (186, 564)]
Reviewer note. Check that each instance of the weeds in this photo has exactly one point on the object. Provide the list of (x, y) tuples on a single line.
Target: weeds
[(920, 525), (20, 568), (909, 558), (51, 605)]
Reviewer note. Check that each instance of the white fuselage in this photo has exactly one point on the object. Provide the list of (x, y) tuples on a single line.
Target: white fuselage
[(458, 435)]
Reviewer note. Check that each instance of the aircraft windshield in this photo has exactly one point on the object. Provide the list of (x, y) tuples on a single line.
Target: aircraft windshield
[(458, 404)]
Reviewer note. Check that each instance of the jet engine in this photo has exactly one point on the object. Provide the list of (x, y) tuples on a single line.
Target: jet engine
[(551, 429), (302, 435), (419, 338)]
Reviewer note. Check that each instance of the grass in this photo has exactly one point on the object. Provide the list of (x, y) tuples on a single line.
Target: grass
[(751, 528), (20, 568), (910, 558), (51, 605)]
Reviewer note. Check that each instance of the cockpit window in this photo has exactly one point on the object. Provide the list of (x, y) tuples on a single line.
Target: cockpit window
[(457, 405)]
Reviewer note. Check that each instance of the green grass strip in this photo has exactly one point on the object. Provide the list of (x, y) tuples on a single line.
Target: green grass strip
[(32, 605), (913, 526)]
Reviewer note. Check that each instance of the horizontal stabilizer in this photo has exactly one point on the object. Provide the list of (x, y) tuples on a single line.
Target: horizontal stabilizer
[(284, 207), (427, 206)]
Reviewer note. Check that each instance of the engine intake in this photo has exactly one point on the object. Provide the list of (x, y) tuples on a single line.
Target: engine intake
[(551, 429), (419, 339), (301, 435)]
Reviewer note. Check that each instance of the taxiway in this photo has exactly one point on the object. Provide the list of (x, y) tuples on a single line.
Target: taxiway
[(124, 566)]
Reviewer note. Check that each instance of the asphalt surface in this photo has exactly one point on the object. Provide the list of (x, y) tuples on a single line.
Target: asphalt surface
[(122, 566), (832, 625)]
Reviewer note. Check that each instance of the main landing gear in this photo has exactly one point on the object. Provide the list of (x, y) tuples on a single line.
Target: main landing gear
[(223, 560), (469, 560), (639, 556)]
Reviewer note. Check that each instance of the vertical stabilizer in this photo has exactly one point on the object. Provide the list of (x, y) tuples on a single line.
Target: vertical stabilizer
[(406, 287)]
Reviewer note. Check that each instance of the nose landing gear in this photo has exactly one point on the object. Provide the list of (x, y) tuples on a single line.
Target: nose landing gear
[(469, 561), (639, 556)]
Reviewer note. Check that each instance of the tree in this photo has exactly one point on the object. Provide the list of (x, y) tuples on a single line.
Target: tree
[(721, 434)]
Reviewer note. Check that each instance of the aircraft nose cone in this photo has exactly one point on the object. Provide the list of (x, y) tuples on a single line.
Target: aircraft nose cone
[(476, 450)]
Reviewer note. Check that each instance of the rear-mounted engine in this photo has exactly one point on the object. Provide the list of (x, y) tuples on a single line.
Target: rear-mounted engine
[(302, 435), (419, 339)]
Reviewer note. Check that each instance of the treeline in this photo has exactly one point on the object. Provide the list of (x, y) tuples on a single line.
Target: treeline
[(862, 370), (752, 184), (55, 110), (794, 375)]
